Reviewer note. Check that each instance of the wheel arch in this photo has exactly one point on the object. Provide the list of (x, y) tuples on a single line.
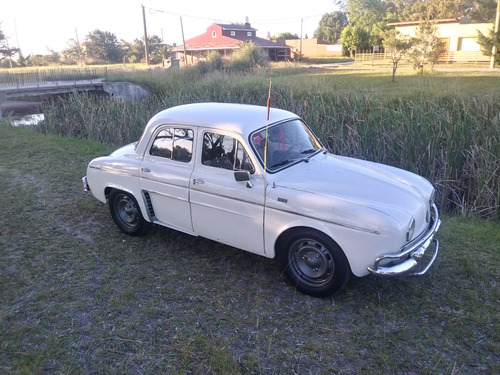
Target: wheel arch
[(108, 190), (285, 235), (312, 261)]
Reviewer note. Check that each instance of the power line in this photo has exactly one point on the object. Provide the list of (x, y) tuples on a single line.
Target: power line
[(266, 21)]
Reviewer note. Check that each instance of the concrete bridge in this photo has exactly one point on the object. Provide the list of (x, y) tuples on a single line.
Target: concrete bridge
[(39, 89), (118, 90)]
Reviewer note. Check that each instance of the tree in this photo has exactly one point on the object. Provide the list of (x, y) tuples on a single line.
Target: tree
[(486, 44), (74, 52), (135, 52), (438, 9), (426, 47), (102, 46), (157, 52), (397, 45), (419, 10), (330, 26), (353, 39), (482, 11), (286, 35), (369, 15), (5, 51)]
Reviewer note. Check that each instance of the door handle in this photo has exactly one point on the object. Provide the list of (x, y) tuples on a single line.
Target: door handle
[(198, 181), (145, 170)]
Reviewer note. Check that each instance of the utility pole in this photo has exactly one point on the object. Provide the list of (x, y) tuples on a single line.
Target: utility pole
[(494, 49), (146, 49), (80, 62), (183, 42), (301, 27)]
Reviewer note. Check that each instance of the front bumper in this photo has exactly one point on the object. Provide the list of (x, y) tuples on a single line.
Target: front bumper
[(86, 186), (413, 260)]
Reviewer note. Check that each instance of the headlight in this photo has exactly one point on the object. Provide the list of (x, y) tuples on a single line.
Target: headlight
[(410, 230), (431, 199), (431, 203)]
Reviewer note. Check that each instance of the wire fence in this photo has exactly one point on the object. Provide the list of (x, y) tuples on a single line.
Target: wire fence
[(381, 57), (41, 77)]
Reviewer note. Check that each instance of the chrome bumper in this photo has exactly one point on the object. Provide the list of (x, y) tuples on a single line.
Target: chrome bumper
[(86, 186), (411, 261)]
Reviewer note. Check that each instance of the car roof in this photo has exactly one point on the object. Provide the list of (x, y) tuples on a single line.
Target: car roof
[(239, 118)]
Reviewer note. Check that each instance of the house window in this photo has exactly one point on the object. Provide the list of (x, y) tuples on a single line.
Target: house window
[(249, 33), (214, 34), (467, 44), (233, 33)]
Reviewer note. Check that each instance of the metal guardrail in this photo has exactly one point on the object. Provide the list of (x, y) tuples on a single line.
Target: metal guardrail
[(41, 77)]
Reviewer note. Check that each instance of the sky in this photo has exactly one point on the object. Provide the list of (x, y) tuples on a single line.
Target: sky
[(41, 26)]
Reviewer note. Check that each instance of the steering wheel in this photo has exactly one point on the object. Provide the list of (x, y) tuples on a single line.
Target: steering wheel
[(285, 155)]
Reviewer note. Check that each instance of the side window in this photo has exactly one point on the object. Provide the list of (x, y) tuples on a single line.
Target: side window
[(183, 145), (174, 144), (223, 151)]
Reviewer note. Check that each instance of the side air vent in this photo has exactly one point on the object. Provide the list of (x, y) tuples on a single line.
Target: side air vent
[(149, 205)]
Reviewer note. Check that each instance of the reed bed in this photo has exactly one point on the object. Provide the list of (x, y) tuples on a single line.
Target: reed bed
[(451, 139)]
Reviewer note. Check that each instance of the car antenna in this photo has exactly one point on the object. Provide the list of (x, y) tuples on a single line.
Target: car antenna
[(267, 126), (265, 164)]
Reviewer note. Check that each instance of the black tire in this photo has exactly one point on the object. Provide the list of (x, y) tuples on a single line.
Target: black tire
[(314, 263), (126, 213)]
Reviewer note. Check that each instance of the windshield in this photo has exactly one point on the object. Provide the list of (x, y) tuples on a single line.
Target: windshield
[(288, 142)]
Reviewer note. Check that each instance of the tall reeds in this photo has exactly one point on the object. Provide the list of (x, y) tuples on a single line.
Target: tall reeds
[(452, 140)]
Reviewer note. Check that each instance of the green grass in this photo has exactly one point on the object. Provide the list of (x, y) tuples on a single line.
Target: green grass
[(78, 296)]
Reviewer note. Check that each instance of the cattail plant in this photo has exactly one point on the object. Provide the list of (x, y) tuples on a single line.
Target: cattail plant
[(451, 139)]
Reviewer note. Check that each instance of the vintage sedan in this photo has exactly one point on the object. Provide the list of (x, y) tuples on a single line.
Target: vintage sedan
[(258, 179)]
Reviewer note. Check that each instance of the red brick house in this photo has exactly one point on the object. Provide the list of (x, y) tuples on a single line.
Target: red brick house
[(225, 39)]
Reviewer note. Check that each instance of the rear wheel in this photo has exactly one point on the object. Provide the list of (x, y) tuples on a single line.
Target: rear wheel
[(126, 213), (314, 263)]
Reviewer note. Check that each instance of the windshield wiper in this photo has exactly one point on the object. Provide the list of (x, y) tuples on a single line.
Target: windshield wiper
[(309, 151), (283, 162), (305, 159)]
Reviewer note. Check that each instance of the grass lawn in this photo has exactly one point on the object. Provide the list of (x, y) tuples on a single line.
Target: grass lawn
[(77, 296)]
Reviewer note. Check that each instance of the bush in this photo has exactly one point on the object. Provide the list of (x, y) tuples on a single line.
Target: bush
[(247, 57)]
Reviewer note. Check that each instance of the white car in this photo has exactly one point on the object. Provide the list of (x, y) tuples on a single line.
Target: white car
[(261, 181)]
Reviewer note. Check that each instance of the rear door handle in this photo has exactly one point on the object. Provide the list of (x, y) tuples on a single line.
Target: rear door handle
[(146, 170), (198, 181)]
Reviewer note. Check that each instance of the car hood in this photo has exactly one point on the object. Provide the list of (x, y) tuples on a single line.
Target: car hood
[(395, 192)]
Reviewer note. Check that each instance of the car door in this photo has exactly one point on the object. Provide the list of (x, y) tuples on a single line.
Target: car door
[(165, 176), (223, 209)]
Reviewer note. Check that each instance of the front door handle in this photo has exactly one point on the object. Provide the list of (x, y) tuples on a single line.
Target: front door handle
[(147, 170), (198, 181)]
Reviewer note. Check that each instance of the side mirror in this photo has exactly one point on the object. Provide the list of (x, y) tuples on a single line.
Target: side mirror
[(242, 175)]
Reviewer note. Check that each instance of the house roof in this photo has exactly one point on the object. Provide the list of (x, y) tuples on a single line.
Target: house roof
[(415, 23), (229, 44), (207, 41), (245, 27)]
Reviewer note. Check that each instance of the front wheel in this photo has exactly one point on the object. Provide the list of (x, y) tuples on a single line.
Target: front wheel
[(314, 263), (126, 213)]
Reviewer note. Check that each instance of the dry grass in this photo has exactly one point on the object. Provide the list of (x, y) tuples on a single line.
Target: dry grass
[(443, 126)]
